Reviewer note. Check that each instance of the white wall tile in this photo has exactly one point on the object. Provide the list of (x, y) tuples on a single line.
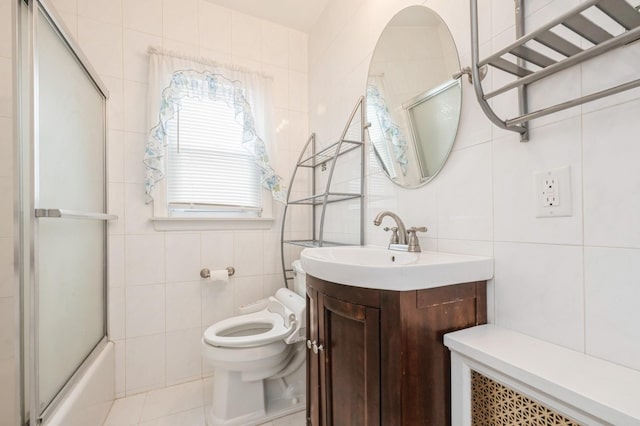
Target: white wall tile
[(280, 86), (7, 330), (423, 211), (116, 313), (136, 58), (245, 36), (8, 403), (626, 60), (102, 43), (184, 304), (180, 20), (6, 147), (248, 255), (474, 248), (145, 363), (298, 51), (143, 15), (217, 249), (145, 310), (217, 301), (214, 27), (144, 261), (108, 11), (116, 260), (274, 43), (612, 290), (115, 103), (182, 257), (135, 107), (69, 23), (298, 97), (8, 284), (6, 209), (137, 211), (134, 147), (6, 18), (611, 190), (5, 88), (69, 6), (539, 291), (120, 359), (465, 195), (556, 145), (271, 250), (246, 290), (183, 356), (116, 206), (116, 156)]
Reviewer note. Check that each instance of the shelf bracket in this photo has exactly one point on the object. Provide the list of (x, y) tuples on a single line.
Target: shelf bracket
[(523, 100)]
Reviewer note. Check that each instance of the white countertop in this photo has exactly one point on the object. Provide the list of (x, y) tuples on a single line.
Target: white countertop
[(601, 388)]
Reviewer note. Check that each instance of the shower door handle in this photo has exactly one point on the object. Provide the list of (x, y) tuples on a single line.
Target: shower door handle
[(74, 214)]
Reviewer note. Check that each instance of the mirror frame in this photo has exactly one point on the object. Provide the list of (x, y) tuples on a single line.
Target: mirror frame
[(423, 96)]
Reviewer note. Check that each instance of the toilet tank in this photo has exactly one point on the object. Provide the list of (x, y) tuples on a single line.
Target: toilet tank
[(299, 278)]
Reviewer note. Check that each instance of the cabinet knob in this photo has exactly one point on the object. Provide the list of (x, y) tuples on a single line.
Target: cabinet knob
[(310, 343), (317, 348)]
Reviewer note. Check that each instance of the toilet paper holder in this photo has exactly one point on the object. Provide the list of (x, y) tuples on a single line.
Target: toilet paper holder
[(206, 272)]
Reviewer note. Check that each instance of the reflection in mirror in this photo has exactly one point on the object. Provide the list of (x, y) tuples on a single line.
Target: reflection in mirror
[(413, 104)]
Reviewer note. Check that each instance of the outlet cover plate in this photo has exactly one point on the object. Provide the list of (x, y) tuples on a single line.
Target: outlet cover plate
[(553, 192)]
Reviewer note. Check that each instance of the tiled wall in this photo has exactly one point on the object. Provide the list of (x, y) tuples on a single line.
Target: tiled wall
[(8, 286), (159, 306), (573, 281)]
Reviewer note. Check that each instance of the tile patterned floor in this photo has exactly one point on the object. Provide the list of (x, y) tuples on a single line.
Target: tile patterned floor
[(180, 405)]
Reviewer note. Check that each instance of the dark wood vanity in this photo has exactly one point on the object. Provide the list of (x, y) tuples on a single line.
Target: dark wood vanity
[(376, 357)]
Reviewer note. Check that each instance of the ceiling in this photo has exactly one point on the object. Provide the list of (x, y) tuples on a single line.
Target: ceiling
[(298, 14)]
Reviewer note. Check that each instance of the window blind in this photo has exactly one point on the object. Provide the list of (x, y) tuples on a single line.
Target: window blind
[(208, 168)]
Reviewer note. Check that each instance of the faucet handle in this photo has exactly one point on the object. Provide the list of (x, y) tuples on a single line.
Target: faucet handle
[(414, 243), (395, 238), (415, 229)]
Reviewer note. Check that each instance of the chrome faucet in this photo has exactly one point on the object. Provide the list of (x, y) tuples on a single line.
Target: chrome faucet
[(402, 231), (399, 240)]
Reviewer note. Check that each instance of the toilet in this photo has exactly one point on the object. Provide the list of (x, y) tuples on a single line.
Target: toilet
[(257, 359)]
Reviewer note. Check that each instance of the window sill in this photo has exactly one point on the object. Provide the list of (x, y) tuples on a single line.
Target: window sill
[(210, 224)]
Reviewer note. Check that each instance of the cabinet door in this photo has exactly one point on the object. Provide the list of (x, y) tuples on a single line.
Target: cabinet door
[(313, 363), (349, 363)]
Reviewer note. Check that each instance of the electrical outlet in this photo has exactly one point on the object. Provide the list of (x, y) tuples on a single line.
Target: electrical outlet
[(550, 192), (553, 192)]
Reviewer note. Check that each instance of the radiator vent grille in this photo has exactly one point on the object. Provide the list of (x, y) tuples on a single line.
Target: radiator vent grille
[(496, 405)]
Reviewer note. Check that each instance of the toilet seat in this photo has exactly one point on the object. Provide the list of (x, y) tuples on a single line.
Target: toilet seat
[(217, 334)]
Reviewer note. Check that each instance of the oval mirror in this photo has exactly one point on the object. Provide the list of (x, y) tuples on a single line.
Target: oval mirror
[(413, 103)]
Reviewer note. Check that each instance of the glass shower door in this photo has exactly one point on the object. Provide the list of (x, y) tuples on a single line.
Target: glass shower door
[(70, 226)]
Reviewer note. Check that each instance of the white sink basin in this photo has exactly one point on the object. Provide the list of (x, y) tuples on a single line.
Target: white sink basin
[(380, 268)]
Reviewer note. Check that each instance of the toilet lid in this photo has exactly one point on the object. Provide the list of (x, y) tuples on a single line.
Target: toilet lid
[(248, 330)]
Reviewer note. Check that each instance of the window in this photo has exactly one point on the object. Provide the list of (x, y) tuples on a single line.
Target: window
[(209, 172), (206, 161)]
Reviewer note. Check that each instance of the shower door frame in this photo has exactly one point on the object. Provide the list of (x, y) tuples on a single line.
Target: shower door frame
[(28, 151)]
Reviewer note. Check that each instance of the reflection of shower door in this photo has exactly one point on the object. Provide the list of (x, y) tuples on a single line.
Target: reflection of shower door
[(69, 235)]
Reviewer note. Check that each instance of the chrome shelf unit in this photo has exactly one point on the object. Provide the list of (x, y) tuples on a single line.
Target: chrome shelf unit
[(319, 162), (528, 62)]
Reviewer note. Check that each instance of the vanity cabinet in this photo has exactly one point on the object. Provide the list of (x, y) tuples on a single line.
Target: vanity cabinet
[(376, 357)]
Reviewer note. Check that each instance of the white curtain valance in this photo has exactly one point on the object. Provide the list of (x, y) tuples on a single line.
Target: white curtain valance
[(173, 77)]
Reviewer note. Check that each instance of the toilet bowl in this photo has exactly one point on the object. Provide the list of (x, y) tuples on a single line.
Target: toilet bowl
[(265, 344)]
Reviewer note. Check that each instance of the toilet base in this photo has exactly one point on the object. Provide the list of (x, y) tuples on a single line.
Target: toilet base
[(236, 402)]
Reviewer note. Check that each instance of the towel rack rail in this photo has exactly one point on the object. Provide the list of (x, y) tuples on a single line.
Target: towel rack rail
[(532, 65)]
